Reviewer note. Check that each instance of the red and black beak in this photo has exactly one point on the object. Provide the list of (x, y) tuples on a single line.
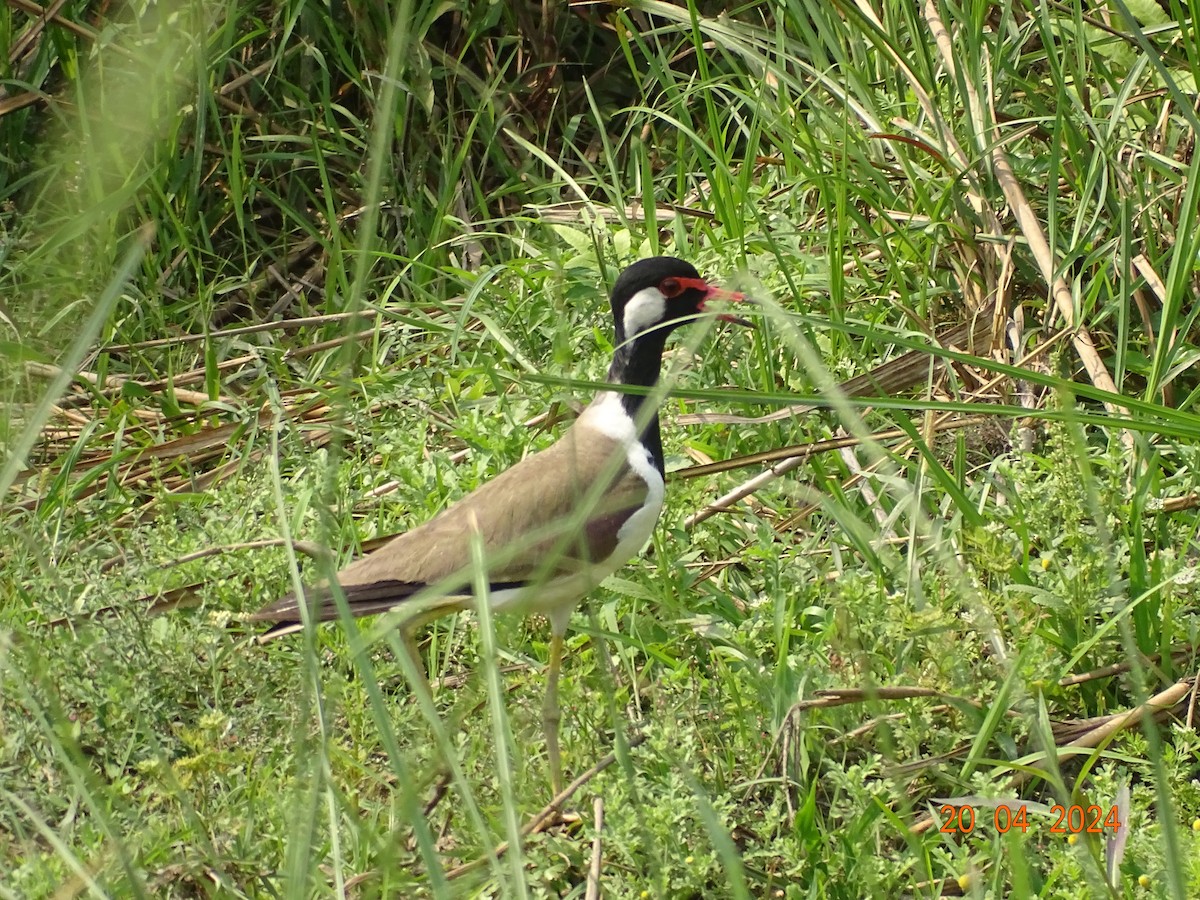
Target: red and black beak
[(716, 293)]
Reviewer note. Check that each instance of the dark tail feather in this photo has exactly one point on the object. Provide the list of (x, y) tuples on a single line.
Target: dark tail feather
[(364, 600), (369, 599)]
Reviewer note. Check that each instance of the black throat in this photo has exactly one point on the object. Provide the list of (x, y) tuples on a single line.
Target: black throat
[(638, 362)]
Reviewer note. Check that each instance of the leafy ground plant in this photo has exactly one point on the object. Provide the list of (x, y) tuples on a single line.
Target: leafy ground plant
[(920, 618)]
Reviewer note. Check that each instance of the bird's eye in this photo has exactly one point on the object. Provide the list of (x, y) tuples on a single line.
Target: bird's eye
[(670, 287)]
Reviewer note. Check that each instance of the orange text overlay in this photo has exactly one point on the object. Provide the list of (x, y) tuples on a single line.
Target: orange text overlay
[(1003, 818)]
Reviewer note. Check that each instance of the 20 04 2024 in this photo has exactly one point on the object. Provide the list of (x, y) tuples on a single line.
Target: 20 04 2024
[(1074, 819)]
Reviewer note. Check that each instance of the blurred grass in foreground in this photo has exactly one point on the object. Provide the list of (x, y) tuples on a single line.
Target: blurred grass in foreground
[(284, 270)]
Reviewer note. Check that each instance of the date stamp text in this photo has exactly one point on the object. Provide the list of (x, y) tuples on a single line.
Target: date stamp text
[(1005, 817)]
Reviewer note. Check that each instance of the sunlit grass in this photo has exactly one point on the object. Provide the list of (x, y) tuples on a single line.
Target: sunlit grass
[(976, 585)]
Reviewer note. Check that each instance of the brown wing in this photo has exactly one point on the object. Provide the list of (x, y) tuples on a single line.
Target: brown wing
[(529, 519)]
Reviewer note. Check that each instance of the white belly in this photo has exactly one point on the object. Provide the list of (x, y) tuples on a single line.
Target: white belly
[(607, 415), (558, 596)]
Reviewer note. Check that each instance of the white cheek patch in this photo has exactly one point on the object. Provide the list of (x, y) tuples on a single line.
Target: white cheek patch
[(644, 310)]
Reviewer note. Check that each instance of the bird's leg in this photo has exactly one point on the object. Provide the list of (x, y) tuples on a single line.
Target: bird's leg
[(551, 714), (418, 677)]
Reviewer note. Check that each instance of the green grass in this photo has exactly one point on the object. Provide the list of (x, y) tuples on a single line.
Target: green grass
[(793, 690)]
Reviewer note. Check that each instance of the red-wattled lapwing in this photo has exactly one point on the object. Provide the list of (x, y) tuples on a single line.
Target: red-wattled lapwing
[(557, 523)]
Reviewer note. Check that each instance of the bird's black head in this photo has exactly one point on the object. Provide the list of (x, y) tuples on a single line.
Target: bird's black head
[(650, 299), (657, 295)]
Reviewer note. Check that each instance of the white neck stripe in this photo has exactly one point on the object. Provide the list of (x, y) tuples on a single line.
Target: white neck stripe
[(644, 310)]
